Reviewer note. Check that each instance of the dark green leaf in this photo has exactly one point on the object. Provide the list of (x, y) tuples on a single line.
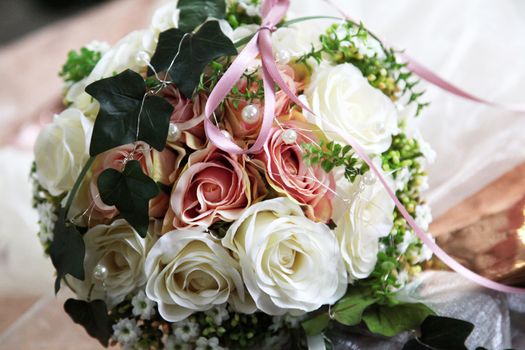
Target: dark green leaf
[(93, 316), (67, 250), (130, 191), (194, 12), (392, 320), (123, 108), (349, 310), (317, 324), (415, 344), (445, 333), (192, 52)]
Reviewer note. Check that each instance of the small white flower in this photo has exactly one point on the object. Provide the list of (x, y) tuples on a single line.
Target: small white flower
[(171, 343), (46, 213), (251, 9), (98, 46), (402, 178), (208, 344), (408, 239), (126, 331), (219, 314), (143, 306), (293, 321), (186, 330), (277, 324), (423, 216)]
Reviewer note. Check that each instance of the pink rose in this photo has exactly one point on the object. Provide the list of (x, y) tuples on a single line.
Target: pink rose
[(188, 115), (248, 132), (160, 166), (215, 186), (288, 174)]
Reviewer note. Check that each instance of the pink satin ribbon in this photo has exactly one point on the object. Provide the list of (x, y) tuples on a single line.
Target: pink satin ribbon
[(273, 11)]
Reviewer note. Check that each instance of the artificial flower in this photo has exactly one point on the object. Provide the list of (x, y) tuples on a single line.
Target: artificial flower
[(342, 99), (61, 150), (188, 271), (289, 263)]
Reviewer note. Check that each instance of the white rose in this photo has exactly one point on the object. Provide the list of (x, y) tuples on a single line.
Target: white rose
[(165, 17), (297, 39), (289, 263), (341, 96), (128, 53), (368, 217), (121, 250), (188, 271), (61, 150)]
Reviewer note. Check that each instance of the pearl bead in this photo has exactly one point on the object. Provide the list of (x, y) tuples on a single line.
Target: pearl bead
[(173, 132), (282, 56), (143, 57), (250, 114), (289, 136), (100, 272), (369, 179)]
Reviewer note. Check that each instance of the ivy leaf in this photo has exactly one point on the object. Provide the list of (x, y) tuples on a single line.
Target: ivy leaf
[(349, 310), (123, 108), (192, 53), (392, 320), (316, 325), (445, 332), (93, 316), (67, 250), (130, 191), (194, 12)]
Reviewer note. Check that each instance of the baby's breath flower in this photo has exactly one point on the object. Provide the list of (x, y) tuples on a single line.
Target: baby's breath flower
[(218, 314), (126, 331), (170, 343), (186, 330), (142, 306), (208, 344)]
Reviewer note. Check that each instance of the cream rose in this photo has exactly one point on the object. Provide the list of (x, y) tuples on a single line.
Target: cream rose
[(289, 263), (166, 17), (368, 217), (61, 150), (188, 271), (343, 99), (122, 252)]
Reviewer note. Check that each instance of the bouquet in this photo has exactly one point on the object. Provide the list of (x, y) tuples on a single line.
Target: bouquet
[(199, 192)]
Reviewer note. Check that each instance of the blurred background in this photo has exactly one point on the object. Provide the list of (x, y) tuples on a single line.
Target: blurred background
[(476, 44), (20, 17)]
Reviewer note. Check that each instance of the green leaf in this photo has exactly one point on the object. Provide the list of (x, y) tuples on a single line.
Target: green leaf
[(67, 250), (192, 52), (392, 320), (194, 12), (124, 107), (349, 310), (130, 191), (445, 333), (317, 324), (93, 316)]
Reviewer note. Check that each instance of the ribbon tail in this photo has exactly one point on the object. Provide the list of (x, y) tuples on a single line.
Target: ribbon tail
[(269, 113), (440, 253), (221, 90), (265, 44)]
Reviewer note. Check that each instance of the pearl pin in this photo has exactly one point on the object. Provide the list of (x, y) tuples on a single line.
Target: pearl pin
[(250, 114), (143, 56), (289, 136), (173, 132), (100, 272)]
